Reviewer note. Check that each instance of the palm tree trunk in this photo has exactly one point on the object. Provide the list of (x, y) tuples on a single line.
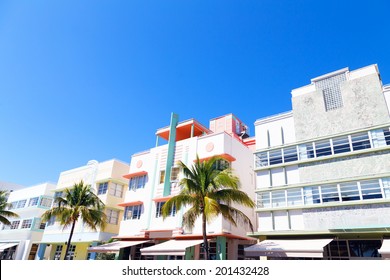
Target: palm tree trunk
[(205, 242), (70, 239)]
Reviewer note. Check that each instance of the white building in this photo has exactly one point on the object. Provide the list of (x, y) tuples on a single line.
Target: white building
[(154, 177), (21, 239), (323, 171), (106, 178)]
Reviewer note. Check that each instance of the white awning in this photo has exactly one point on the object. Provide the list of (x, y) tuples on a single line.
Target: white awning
[(4, 246), (307, 248), (170, 248), (114, 246), (385, 249)]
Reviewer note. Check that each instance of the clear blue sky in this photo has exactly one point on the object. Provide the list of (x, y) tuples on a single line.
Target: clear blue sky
[(83, 80)]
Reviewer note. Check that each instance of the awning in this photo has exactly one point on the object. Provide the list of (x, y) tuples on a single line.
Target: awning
[(307, 248), (115, 246), (170, 248), (130, 203), (385, 249), (4, 246), (135, 174)]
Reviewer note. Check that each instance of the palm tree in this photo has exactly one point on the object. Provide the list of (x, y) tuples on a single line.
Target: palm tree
[(210, 192), (4, 206), (78, 202)]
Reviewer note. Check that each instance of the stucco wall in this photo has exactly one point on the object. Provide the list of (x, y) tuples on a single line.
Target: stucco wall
[(345, 167), (363, 106)]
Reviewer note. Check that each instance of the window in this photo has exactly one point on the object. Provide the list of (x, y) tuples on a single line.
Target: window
[(278, 199), (386, 187), (306, 151), (349, 191), (57, 253), (386, 133), (378, 138), (364, 248), (329, 193), (175, 171), (275, 157), (116, 190), (33, 201), (370, 189), (133, 212), (162, 176), (58, 194), (159, 206), (13, 205), (360, 141), (46, 202), (311, 195), (263, 200), (15, 224), (221, 164), (341, 145), (137, 182), (71, 252), (102, 189), (51, 221), (323, 148), (294, 197), (27, 223), (290, 154), (112, 216), (21, 203), (261, 159)]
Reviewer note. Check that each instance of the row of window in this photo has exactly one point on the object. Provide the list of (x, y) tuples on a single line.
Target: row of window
[(348, 191), (24, 224), (140, 181), (134, 212), (332, 146), (43, 201)]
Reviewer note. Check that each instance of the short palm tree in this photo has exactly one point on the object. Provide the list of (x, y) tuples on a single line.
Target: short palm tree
[(78, 202), (4, 206), (209, 192)]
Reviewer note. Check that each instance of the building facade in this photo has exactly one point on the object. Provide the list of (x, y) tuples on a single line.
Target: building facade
[(106, 179), (21, 239), (323, 171), (153, 179)]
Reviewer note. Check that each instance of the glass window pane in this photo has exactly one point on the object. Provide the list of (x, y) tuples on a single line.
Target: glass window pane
[(275, 157), (386, 133), (386, 187), (278, 199), (341, 145), (370, 189), (360, 141), (294, 196), (263, 200), (290, 154), (329, 193), (311, 195), (364, 248), (261, 159), (378, 138), (349, 191), (323, 148)]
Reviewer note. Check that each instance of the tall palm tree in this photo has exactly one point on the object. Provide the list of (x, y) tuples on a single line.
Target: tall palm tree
[(78, 202), (210, 192), (4, 206)]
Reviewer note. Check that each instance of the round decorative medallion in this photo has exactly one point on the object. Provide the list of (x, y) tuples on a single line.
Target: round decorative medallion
[(139, 163), (210, 147)]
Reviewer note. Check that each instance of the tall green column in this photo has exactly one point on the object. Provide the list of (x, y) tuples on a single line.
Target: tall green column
[(171, 153), (221, 248)]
